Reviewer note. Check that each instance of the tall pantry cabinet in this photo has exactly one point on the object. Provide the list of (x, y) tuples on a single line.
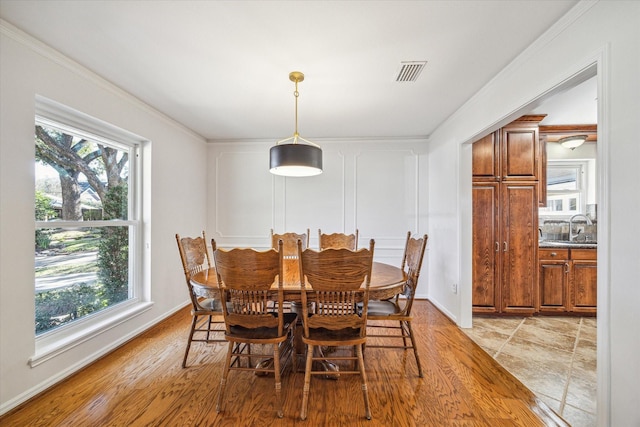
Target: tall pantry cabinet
[(506, 174)]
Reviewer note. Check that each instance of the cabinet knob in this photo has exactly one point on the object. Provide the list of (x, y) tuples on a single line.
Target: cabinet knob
[(554, 254)]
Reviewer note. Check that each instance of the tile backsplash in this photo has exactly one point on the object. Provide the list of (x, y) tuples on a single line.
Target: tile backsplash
[(558, 229)]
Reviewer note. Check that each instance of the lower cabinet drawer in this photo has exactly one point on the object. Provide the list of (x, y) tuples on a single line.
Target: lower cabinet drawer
[(586, 254), (553, 254)]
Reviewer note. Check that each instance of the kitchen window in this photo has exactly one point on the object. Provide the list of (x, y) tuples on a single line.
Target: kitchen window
[(566, 192)]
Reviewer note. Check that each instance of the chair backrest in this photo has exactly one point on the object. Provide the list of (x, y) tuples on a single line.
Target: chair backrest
[(195, 258), (290, 242), (245, 279), (414, 250), (336, 281), (338, 240)]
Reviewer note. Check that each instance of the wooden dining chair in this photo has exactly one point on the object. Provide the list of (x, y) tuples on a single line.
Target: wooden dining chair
[(394, 315), (290, 250), (206, 313), (246, 280), (338, 240), (290, 242), (337, 280)]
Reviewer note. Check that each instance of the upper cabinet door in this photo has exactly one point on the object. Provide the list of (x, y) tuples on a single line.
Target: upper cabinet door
[(520, 152), (486, 158)]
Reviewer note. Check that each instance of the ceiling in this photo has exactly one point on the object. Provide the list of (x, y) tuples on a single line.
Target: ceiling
[(577, 105), (221, 68)]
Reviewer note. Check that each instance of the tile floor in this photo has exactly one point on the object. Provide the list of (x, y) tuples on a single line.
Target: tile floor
[(555, 357)]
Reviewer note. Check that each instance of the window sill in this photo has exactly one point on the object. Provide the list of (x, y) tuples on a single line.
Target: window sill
[(57, 342)]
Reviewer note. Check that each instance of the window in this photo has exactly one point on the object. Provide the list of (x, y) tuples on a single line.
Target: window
[(566, 193), (87, 222)]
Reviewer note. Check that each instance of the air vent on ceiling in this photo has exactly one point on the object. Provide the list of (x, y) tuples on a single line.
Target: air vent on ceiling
[(410, 70)]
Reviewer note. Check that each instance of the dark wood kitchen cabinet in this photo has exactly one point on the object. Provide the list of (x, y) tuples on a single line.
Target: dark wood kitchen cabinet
[(554, 280), (485, 165), (511, 153), (568, 281), (487, 254), (520, 151), (505, 260), (519, 247), (505, 219), (584, 281)]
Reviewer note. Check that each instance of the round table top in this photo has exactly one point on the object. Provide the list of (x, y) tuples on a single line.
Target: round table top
[(386, 281)]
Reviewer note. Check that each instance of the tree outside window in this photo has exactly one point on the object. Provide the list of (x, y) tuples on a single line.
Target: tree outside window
[(83, 226)]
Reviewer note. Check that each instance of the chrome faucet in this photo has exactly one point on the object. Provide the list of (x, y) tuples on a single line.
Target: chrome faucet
[(572, 236)]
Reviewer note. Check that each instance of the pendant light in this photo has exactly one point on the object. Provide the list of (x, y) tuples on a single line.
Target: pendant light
[(295, 156)]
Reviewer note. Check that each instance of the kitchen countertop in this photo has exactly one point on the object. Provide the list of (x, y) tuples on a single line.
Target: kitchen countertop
[(566, 244)]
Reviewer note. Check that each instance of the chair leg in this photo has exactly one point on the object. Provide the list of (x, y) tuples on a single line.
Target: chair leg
[(225, 374), (404, 335), (363, 375), (278, 380), (415, 349), (355, 353), (294, 355), (209, 328), (307, 383), (193, 328)]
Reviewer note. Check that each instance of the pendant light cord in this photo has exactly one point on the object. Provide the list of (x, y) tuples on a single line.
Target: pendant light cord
[(296, 77), (296, 94)]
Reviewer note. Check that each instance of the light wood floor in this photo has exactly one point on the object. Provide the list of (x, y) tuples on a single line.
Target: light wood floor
[(143, 384)]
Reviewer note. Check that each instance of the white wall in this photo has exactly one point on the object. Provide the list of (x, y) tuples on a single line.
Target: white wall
[(175, 179), (605, 33), (378, 187)]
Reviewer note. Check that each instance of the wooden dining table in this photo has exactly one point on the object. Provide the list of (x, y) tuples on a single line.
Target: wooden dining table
[(386, 281)]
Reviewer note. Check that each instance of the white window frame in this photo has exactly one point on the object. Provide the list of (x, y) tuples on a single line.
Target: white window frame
[(52, 343), (581, 167)]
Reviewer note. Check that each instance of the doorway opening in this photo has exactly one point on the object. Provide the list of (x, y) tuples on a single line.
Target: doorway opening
[(504, 338)]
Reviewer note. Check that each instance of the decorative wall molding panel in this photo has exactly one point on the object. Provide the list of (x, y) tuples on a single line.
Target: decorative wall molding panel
[(375, 187)]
